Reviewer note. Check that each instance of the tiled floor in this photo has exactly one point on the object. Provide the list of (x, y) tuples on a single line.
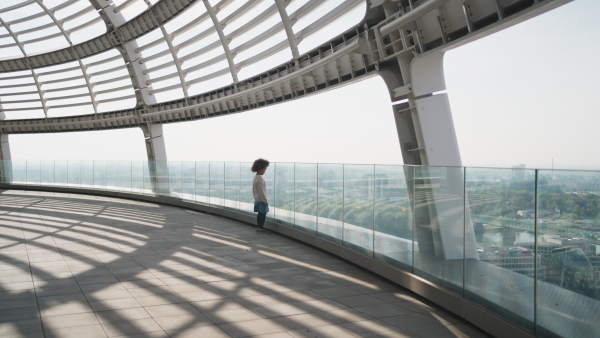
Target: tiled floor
[(85, 266)]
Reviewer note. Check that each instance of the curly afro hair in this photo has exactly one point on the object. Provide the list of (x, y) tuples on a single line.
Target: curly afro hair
[(259, 165)]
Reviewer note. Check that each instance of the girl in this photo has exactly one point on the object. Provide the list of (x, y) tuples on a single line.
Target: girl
[(259, 190)]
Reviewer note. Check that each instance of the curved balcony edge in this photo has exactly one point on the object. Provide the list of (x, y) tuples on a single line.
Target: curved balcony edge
[(455, 303)]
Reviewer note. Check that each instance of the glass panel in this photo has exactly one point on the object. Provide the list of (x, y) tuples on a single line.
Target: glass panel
[(100, 175), (33, 172), (282, 206), (87, 174), (217, 183), (358, 207), (61, 173), (148, 180), (19, 171), (306, 190), (159, 172), (393, 216), (123, 173), (6, 173), (188, 182), (500, 276), (111, 176), (246, 197), (331, 202), (568, 296), (269, 177), (74, 174), (47, 173), (137, 177), (175, 179), (232, 185), (439, 226), (202, 182)]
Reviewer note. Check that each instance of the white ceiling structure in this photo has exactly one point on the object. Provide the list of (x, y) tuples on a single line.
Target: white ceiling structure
[(72, 65)]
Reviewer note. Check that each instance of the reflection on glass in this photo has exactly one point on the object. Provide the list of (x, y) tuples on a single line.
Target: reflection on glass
[(269, 178), (19, 169), (73, 174), (47, 172), (6, 171), (123, 175), (174, 170), (501, 276), (232, 185), (87, 174), (306, 197), (393, 216), (100, 175), (188, 180), (282, 206), (358, 207), (149, 180), (331, 202), (137, 177), (111, 176), (61, 169), (246, 197), (33, 172), (217, 183), (202, 182), (568, 218), (440, 226)]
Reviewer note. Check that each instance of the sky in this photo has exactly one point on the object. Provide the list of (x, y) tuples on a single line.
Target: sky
[(525, 95)]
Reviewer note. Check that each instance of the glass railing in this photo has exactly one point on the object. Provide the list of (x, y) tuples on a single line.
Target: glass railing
[(523, 243)]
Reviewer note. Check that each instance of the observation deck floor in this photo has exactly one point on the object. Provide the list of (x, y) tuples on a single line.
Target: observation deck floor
[(89, 266)]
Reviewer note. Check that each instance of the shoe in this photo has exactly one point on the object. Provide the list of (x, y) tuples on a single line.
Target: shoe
[(264, 231)]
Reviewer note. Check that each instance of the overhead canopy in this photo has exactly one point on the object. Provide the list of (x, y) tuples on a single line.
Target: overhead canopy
[(81, 57)]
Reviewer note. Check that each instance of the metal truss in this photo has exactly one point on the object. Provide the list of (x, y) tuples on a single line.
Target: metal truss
[(391, 34)]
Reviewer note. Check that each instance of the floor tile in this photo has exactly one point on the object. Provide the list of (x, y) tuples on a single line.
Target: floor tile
[(88, 331), (251, 328), (142, 270), (231, 316), (322, 331), (130, 327)]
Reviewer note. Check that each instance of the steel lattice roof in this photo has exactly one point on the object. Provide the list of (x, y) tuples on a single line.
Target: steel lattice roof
[(81, 57)]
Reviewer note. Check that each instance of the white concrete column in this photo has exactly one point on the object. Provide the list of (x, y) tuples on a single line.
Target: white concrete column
[(450, 220), (437, 134), (157, 157), (5, 159)]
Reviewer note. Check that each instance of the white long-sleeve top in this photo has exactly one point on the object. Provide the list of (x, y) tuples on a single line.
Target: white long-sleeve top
[(259, 189)]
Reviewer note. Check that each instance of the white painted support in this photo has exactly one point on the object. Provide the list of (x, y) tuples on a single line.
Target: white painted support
[(83, 68), (139, 68), (454, 236), (5, 148), (158, 142), (411, 16), (287, 24), (40, 92), (110, 9), (5, 157), (176, 61), (438, 137), (157, 158), (224, 41)]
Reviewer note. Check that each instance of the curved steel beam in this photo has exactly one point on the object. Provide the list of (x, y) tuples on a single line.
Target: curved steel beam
[(33, 74), (86, 77), (287, 24), (224, 40)]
